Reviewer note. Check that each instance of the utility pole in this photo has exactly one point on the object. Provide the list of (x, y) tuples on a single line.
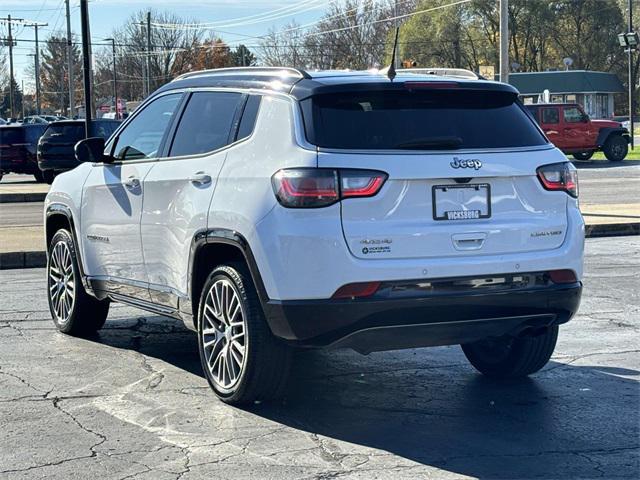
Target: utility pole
[(9, 42), (115, 74), (22, 99), (37, 73), (86, 63), (397, 24), (35, 25), (631, 83), (37, 58), (148, 53), (504, 41), (72, 92)]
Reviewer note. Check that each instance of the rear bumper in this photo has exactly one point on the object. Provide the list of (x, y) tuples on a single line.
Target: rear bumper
[(57, 162), (376, 324)]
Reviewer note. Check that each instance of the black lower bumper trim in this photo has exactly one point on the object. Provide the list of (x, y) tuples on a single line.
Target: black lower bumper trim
[(410, 322)]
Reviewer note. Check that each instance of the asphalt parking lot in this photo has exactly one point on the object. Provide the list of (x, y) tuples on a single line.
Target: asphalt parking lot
[(132, 402)]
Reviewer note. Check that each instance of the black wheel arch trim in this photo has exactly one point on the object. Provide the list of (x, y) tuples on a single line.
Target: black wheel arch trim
[(62, 209), (606, 132), (224, 236)]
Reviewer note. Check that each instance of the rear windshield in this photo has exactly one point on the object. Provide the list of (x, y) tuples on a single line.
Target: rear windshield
[(64, 132), (419, 119), (10, 135), (103, 129), (73, 132)]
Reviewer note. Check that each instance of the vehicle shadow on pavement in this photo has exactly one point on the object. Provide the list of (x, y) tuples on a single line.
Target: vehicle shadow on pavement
[(556, 424), (429, 406)]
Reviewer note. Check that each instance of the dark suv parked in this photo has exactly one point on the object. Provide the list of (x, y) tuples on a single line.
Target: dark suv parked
[(55, 148), (18, 149)]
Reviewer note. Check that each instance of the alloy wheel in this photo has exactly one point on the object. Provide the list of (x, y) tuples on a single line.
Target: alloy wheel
[(62, 288), (223, 334)]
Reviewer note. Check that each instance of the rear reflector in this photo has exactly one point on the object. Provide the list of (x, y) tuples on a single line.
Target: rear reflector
[(357, 290), (562, 276)]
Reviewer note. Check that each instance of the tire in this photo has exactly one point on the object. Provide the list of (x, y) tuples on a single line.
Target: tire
[(48, 176), (615, 148), (512, 357), (1, 175), (240, 366), (583, 155), (73, 310)]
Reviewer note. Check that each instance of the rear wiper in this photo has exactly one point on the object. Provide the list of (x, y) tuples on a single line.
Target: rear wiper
[(436, 143)]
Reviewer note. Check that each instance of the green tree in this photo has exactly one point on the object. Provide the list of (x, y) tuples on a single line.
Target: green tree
[(242, 57), (5, 103), (54, 74)]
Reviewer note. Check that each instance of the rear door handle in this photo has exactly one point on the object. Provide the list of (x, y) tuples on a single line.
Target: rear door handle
[(132, 183), (468, 241), (200, 178)]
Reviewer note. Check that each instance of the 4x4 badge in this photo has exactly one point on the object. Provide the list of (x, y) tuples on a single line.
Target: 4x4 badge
[(460, 163)]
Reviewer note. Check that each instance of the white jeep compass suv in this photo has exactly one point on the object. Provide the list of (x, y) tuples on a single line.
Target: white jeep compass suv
[(271, 208)]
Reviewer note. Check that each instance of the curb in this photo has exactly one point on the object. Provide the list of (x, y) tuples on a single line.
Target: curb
[(10, 260), (22, 197), (22, 260), (612, 230)]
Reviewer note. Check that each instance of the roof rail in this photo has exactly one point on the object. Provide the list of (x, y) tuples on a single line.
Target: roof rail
[(442, 72), (261, 71)]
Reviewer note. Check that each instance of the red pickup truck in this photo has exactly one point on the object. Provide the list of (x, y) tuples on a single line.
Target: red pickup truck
[(570, 129)]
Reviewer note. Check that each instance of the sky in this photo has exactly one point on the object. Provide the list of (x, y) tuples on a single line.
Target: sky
[(106, 15)]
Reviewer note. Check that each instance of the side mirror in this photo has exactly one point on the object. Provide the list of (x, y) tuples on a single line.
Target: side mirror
[(91, 150)]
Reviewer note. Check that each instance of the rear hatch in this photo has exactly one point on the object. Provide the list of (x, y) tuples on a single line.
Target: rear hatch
[(461, 168), (59, 139)]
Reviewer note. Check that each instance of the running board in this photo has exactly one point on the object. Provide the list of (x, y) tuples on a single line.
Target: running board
[(144, 305)]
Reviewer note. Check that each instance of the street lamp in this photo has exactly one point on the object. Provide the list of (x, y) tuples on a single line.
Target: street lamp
[(629, 41), (115, 75)]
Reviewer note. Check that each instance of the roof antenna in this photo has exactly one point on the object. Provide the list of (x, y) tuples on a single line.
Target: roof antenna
[(391, 71)]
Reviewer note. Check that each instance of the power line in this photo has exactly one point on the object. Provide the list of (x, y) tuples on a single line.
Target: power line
[(388, 19), (300, 7)]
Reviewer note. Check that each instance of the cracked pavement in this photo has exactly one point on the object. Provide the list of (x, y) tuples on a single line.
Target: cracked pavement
[(132, 403)]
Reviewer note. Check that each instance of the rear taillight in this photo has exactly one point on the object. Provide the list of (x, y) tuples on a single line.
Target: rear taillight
[(559, 177), (320, 187), (562, 276)]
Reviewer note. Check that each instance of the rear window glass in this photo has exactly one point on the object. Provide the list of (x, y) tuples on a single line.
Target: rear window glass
[(64, 132), (550, 115), (419, 119), (249, 116), (206, 123), (10, 135), (103, 129)]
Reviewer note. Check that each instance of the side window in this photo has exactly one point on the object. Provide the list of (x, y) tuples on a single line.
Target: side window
[(550, 115), (142, 137), (572, 115), (249, 116), (206, 123)]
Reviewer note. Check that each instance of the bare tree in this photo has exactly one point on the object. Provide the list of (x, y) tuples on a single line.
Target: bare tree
[(174, 46), (284, 47)]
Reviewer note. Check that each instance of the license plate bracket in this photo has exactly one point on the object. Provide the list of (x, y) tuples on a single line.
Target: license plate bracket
[(461, 201)]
